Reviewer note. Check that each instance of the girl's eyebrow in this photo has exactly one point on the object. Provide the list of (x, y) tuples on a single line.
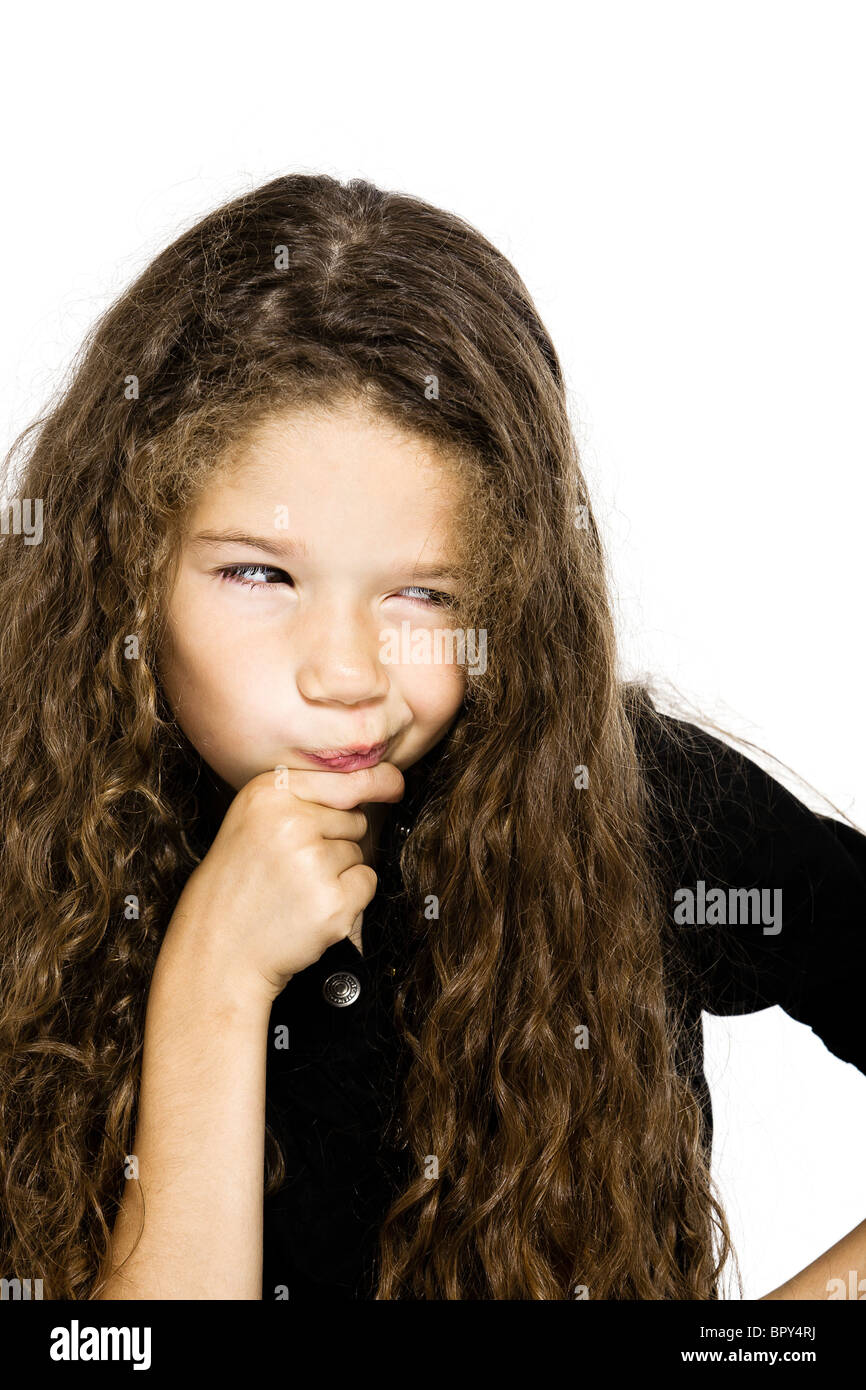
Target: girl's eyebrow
[(287, 548), (291, 549)]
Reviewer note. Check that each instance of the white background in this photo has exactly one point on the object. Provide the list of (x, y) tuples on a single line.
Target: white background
[(681, 187)]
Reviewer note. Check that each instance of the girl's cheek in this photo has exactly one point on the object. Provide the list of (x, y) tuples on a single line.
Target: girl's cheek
[(433, 688)]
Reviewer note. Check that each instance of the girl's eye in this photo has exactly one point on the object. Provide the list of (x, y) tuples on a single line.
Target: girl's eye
[(429, 595), (232, 574)]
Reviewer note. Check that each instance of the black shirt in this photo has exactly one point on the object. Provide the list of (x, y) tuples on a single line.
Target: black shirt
[(720, 822)]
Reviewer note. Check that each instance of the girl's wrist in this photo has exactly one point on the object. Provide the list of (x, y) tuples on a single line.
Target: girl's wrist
[(190, 962)]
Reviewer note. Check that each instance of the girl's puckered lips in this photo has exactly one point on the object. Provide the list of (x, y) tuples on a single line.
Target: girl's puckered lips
[(347, 759)]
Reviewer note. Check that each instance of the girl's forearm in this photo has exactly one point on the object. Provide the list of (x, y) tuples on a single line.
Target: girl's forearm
[(835, 1274), (199, 1145)]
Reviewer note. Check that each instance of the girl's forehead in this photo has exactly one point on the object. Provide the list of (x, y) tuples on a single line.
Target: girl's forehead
[(362, 473), (341, 447)]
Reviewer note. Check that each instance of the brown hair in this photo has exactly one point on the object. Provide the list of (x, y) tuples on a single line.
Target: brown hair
[(558, 1167)]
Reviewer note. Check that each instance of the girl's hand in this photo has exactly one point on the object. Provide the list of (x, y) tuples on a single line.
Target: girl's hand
[(285, 877)]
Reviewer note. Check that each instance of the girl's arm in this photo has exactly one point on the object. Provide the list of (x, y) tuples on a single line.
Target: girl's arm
[(835, 1274), (283, 880), (200, 1138)]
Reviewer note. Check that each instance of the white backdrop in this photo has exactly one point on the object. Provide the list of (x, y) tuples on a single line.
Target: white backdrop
[(681, 187)]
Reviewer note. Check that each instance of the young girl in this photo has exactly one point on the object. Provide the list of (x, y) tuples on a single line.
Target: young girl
[(357, 917)]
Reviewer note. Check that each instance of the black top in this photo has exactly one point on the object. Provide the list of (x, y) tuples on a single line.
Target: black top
[(720, 822)]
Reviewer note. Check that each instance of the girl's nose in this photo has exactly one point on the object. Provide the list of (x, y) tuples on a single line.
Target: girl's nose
[(342, 662)]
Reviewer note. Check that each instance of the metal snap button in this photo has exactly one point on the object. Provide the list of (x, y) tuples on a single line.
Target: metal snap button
[(341, 989)]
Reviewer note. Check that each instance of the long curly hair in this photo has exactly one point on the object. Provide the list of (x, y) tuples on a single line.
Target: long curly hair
[(558, 1168)]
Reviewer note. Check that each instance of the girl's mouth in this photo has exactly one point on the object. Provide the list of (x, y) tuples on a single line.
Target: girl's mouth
[(347, 759)]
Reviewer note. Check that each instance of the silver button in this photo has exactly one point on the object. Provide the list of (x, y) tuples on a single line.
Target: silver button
[(341, 989)]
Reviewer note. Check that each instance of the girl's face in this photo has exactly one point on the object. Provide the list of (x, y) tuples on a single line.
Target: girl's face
[(340, 527)]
